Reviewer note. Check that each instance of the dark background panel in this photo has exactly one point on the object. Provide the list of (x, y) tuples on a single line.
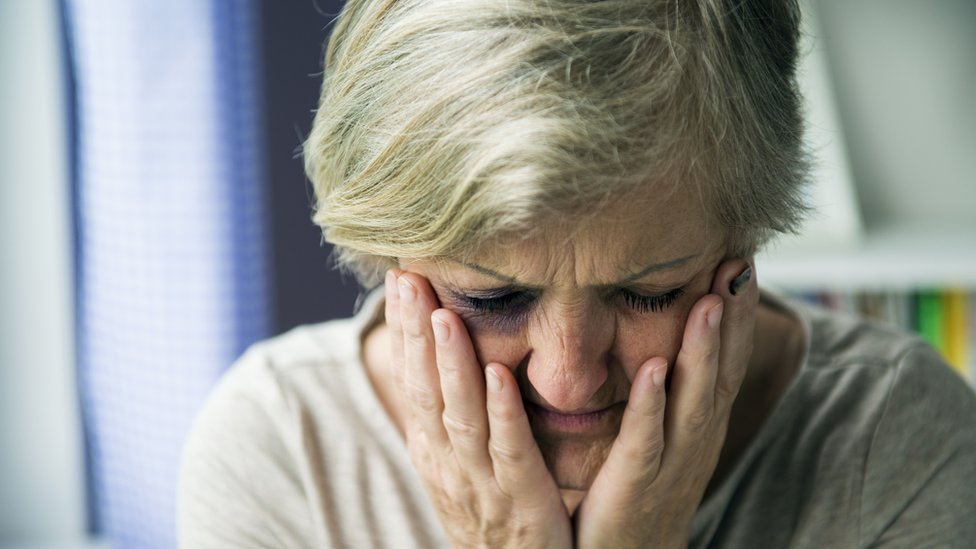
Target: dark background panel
[(307, 287)]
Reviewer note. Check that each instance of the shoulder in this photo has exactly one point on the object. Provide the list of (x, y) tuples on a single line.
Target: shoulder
[(249, 443), (890, 405), (840, 339), (903, 379), (275, 379), (894, 377), (305, 363), (922, 457)]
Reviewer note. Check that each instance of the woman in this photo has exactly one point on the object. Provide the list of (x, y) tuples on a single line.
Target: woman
[(570, 347)]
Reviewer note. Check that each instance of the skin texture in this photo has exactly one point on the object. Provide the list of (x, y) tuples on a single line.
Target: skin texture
[(489, 401)]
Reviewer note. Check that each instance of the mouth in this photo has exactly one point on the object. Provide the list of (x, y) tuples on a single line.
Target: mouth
[(593, 422)]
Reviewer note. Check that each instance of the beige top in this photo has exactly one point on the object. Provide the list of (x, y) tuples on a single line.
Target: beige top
[(874, 441)]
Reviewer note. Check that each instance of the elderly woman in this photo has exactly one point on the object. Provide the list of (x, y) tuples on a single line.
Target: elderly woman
[(569, 347)]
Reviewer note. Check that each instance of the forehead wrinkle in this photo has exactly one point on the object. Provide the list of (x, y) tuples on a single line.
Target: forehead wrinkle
[(658, 267), (566, 262), (574, 263), (488, 272), (631, 240)]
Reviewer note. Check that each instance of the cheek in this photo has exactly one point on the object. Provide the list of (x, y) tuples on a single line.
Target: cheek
[(508, 349), (494, 343), (642, 337), (497, 340), (637, 339)]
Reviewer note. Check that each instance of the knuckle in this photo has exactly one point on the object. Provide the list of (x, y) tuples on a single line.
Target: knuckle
[(447, 366), (646, 451), (710, 353), (484, 482), (506, 453), (423, 398), (698, 418), (461, 427), (413, 333), (506, 413), (727, 387), (417, 448), (654, 448), (739, 317), (738, 310)]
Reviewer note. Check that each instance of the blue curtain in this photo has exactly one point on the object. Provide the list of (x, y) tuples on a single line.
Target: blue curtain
[(171, 236)]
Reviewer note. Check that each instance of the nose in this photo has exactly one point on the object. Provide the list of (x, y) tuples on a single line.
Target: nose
[(570, 355)]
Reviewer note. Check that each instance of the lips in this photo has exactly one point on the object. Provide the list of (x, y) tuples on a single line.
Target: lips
[(588, 423)]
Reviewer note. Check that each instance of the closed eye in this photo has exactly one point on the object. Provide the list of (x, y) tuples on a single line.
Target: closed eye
[(650, 303), (504, 301), (515, 303)]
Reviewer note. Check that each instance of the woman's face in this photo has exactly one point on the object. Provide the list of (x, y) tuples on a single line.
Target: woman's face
[(574, 314)]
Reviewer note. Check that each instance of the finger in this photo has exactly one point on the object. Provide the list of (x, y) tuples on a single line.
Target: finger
[(735, 282), (691, 400), (635, 457), (392, 317), (463, 388), (411, 428), (516, 460), (421, 382)]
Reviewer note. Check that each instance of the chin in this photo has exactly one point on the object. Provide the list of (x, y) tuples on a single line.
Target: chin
[(575, 462)]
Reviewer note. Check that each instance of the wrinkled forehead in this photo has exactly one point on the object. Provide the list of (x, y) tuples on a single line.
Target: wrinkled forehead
[(607, 244)]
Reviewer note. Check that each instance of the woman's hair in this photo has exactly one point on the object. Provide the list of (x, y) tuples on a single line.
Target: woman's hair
[(445, 123)]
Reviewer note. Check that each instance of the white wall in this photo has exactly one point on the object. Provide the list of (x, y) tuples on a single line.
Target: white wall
[(905, 75), (41, 464)]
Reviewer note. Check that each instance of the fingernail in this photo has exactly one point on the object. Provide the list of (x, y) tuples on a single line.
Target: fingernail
[(659, 373), (714, 316), (441, 330), (492, 380), (407, 291), (740, 281)]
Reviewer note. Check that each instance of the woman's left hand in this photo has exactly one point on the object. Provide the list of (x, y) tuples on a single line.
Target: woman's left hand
[(657, 471)]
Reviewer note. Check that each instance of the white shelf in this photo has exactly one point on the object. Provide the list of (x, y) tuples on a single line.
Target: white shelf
[(894, 259)]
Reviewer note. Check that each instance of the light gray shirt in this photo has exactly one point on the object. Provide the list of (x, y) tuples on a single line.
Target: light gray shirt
[(873, 444)]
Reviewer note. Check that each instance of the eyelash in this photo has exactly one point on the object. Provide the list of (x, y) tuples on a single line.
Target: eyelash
[(651, 303), (516, 301), (498, 304)]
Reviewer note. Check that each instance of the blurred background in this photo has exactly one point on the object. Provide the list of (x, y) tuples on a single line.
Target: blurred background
[(155, 221)]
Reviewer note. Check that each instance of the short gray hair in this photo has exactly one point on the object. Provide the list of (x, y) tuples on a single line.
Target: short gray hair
[(443, 123)]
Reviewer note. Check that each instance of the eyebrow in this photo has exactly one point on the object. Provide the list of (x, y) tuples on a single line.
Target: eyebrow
[(630, 278)]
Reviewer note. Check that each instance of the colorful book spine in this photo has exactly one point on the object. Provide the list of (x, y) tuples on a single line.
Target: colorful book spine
[(930, 318), (957, 331), (972, 339), (945, 318)]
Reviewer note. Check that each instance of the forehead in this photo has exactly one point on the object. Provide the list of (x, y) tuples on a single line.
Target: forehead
[(608, 243)]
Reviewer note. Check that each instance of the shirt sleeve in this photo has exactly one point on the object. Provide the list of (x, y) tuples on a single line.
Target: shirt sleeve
[(238, 485), (920, 471)]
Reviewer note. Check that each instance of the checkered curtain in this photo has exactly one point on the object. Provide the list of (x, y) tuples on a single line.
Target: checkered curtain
[(172, 277)]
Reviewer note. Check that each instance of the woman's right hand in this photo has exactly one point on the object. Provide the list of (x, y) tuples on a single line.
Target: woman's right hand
[(473, 447)]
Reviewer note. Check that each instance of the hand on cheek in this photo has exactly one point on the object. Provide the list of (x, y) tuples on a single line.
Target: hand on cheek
[(466, 429), (653, 480)]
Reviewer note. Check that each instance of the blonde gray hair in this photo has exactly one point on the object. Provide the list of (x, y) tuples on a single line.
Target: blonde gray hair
[(444, 123)]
